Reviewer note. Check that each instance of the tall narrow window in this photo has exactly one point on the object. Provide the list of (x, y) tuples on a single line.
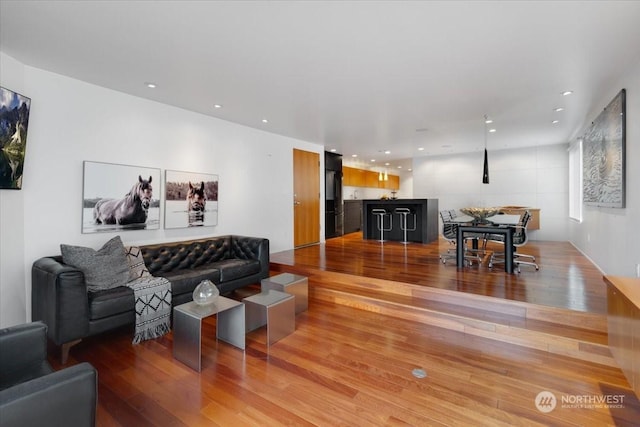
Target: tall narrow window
[(575, 180)]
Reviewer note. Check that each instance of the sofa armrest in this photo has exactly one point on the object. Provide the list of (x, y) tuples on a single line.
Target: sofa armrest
[(59, 299), (24, 353), (243, 247), (64, 398)]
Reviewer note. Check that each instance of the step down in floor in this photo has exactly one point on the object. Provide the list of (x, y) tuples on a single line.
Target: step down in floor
[(559, 331)]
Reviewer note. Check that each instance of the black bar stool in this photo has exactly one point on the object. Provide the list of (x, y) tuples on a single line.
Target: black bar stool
[(381, 214), (404, 214)]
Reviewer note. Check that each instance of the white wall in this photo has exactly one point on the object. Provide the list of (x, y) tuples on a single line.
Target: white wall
[(535, 177), (611, 237), (72, 121), (12, 274)]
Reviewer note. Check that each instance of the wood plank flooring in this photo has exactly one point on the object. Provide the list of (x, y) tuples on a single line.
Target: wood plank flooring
[(350, 364), (566, 278)]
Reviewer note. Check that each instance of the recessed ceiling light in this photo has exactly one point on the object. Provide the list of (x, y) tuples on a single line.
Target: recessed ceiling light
[(567, 92), (354, 155), (420, 148), (387, 152), (333, 150), (555, 121), (373, 160), (446, 146), (150, 85), (409, 169), (557, 110), (387, 164), (217, 106), (492, 130), (399, 167), (487, 121), (265, 121)]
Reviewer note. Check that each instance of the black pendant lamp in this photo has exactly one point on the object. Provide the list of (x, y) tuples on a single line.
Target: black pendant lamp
[(485, 171)]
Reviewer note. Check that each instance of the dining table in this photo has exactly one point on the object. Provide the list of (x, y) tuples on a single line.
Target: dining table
[(483, 224)]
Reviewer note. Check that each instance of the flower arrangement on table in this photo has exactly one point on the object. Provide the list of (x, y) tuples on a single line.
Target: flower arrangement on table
[(480, 215)]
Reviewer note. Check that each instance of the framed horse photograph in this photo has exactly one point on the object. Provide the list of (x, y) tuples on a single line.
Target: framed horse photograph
[(191, 199), (120, 197)]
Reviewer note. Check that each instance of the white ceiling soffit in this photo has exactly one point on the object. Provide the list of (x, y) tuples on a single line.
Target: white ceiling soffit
[(361, 77)]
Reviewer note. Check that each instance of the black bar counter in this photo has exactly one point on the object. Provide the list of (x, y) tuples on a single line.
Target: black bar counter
[(426, 211)]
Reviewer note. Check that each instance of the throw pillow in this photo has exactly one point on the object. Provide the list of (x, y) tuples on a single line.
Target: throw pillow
[(137, 267), (103, 269)]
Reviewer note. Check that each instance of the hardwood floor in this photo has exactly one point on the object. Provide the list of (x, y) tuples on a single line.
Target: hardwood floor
[(351, 358), (566, 278)]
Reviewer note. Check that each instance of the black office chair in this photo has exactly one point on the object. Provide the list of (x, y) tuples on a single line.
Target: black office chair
[(450, 234), (32, 393), (519, 239)]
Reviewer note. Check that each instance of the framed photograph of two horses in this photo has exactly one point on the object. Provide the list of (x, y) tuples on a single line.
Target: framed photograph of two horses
[(191, 199), (120, 197)]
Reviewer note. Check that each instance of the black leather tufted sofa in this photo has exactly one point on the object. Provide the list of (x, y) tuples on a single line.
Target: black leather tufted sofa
[(60, 299)]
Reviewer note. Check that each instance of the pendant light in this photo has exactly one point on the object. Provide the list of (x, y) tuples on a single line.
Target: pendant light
[(485, 172)]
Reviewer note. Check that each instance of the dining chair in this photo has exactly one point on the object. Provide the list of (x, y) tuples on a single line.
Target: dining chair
[(519, 239), (450, 234)]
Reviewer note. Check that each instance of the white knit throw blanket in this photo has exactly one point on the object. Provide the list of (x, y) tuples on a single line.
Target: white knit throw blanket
[(153, 307)]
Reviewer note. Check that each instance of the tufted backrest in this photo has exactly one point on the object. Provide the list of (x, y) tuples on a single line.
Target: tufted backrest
[(245, 247), (166, 257)]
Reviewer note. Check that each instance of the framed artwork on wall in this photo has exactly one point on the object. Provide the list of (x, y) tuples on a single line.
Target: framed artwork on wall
[(191, 199), (120, 197), (14, 123), (604, 156)]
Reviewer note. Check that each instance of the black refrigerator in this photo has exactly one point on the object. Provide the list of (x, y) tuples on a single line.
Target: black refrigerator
[(333, 207)]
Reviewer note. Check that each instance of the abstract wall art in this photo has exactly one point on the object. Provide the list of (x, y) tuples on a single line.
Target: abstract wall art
[(604, 156)]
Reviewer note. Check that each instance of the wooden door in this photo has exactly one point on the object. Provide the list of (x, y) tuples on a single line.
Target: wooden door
[(306, 198)]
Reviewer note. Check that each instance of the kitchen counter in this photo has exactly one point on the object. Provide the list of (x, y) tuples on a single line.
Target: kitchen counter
[(426, 227)]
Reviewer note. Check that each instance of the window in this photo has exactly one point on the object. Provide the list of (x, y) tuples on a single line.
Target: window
[(575, 180)]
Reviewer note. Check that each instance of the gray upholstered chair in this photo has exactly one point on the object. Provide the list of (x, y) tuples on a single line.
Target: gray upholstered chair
[(519, 239), (32, 393)]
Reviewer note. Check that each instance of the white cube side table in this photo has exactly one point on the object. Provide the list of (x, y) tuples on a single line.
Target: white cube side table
[(293, 284)]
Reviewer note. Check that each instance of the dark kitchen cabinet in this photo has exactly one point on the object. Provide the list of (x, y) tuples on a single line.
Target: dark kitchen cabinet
[(352, 216)]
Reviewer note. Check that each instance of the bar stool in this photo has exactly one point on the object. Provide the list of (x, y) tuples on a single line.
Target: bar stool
[(381, 214), (404, 213)]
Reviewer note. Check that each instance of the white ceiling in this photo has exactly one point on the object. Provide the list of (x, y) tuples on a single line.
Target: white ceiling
[(361, 77)]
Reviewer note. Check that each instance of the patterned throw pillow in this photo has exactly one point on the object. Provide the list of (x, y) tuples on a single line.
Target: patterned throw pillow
[(103, 269), (137, 267)]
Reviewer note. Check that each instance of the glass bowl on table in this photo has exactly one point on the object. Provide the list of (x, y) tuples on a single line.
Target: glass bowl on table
[(480, 215)]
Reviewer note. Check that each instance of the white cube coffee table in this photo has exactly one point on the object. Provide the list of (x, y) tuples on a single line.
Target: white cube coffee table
[(293, 284), (274, 309)]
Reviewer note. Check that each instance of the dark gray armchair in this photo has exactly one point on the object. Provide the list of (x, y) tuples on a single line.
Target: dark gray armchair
[(32, 393)]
